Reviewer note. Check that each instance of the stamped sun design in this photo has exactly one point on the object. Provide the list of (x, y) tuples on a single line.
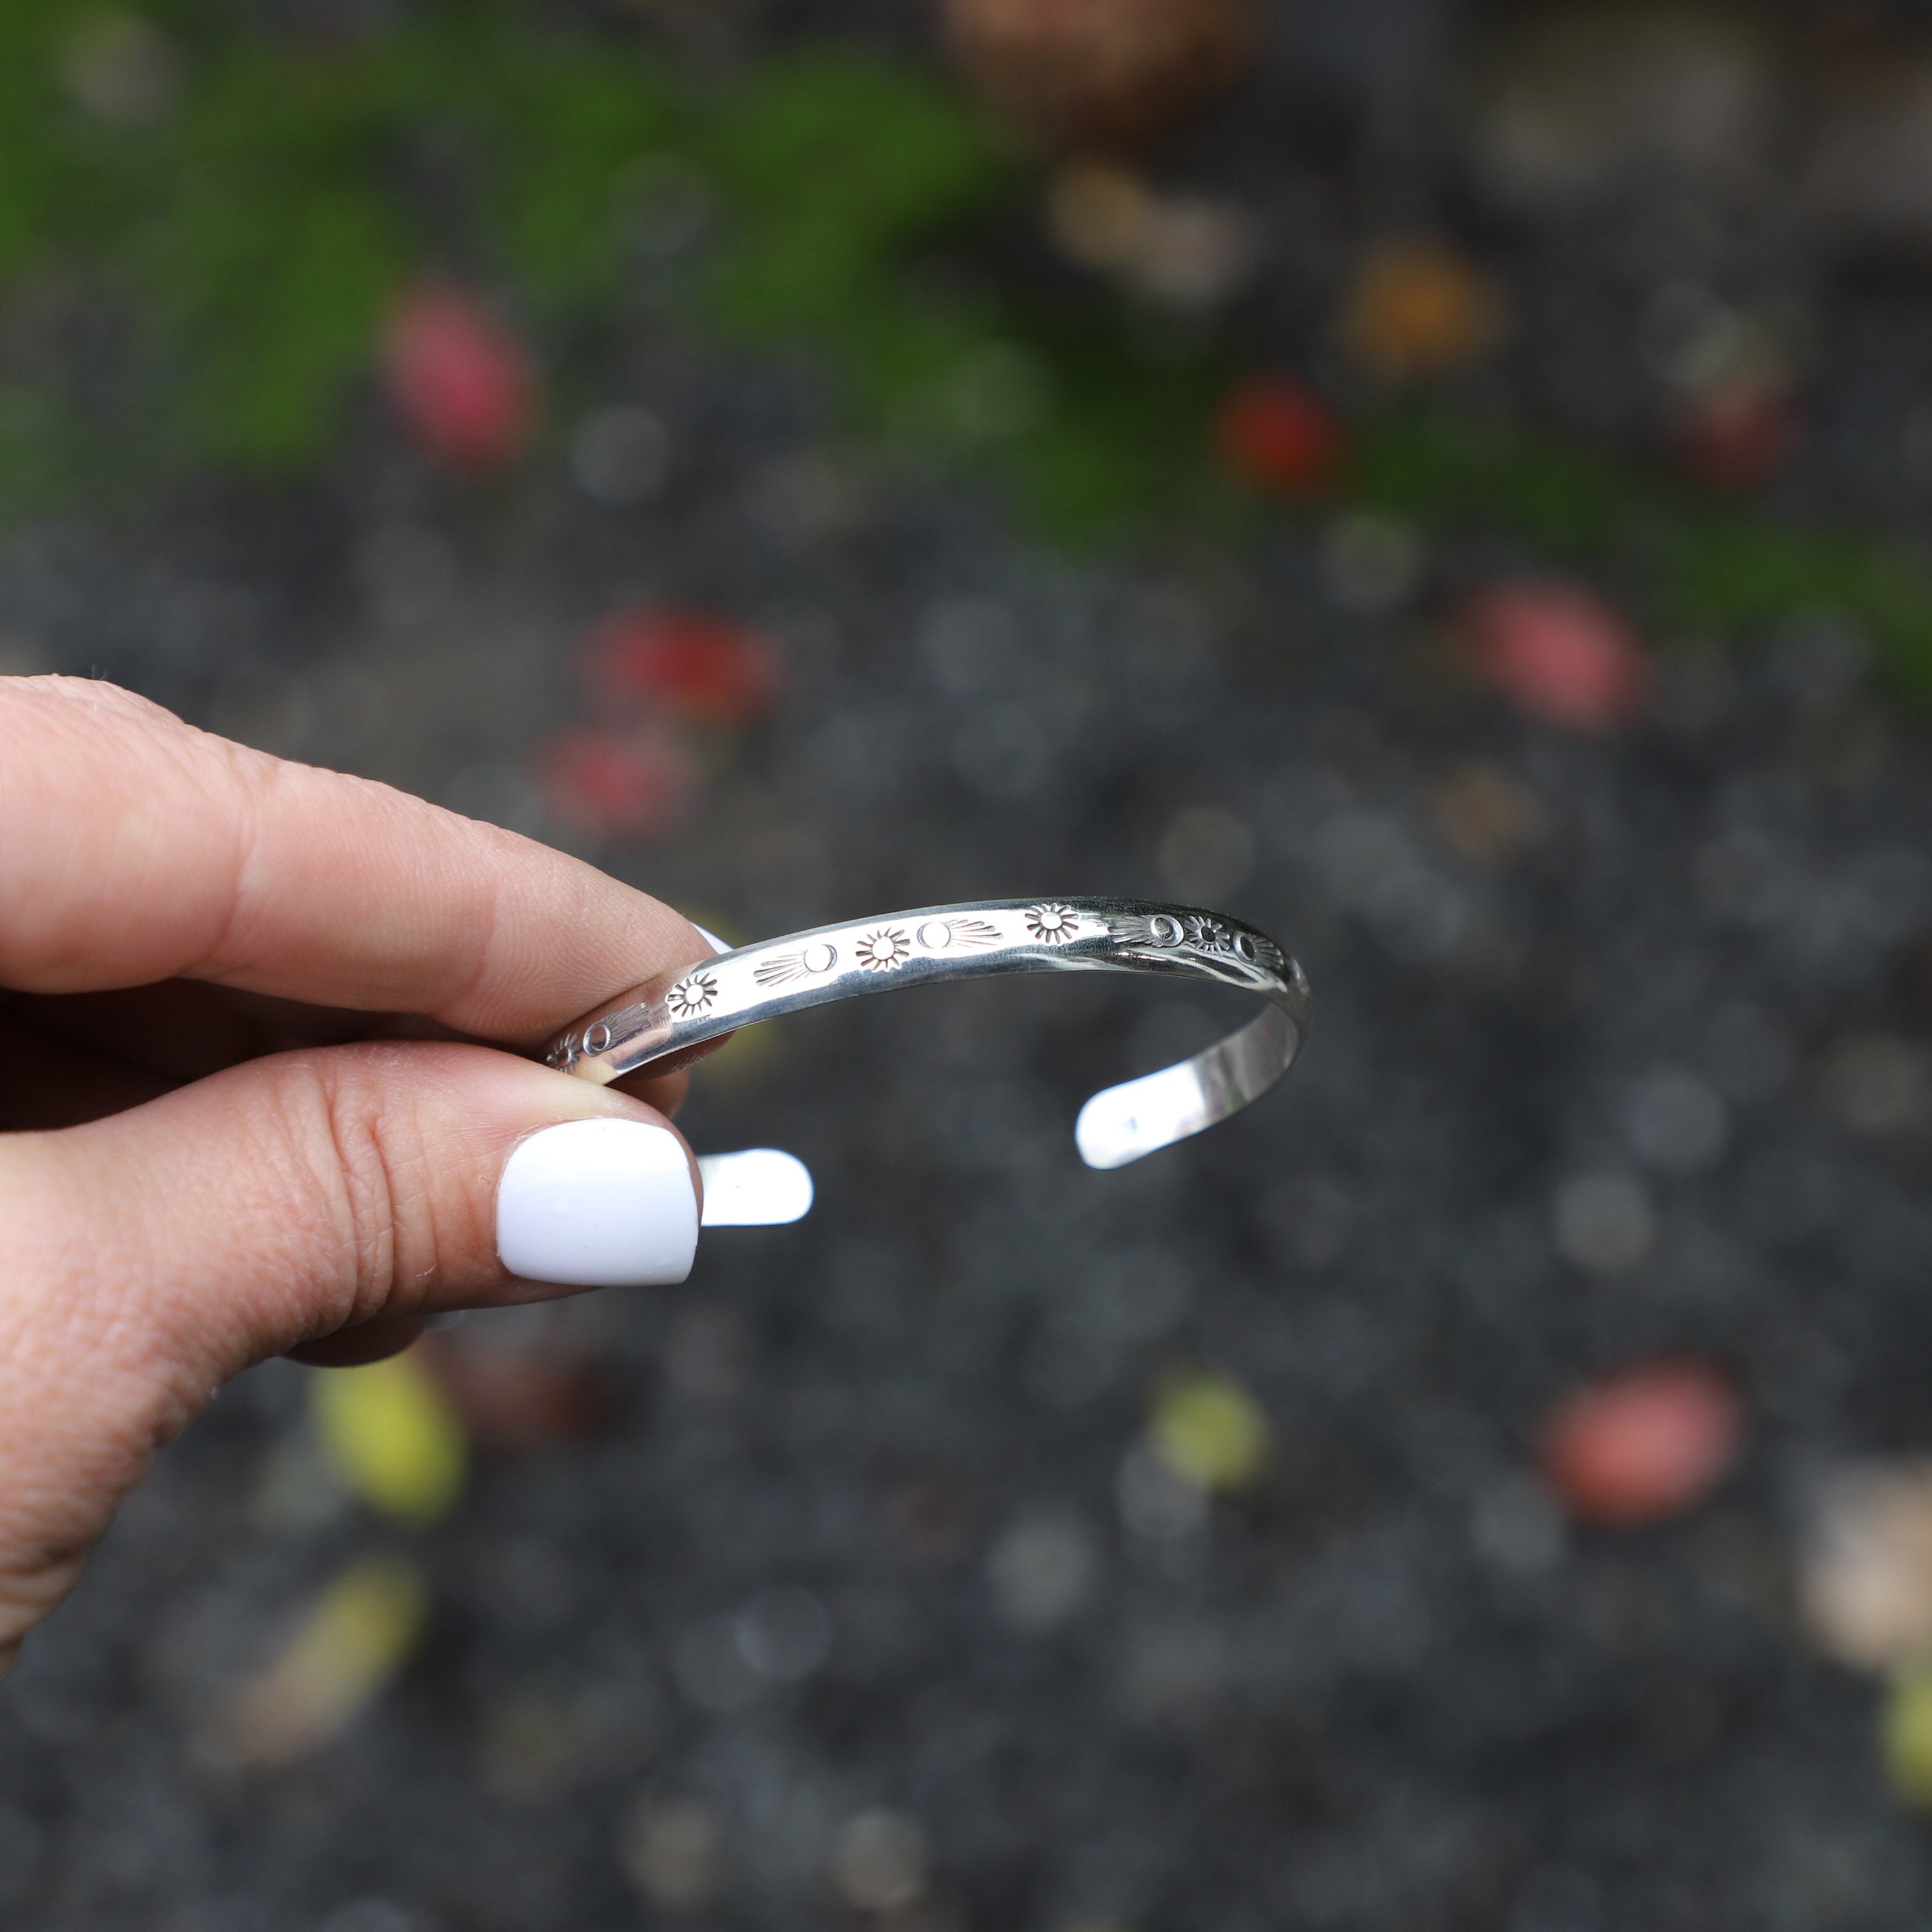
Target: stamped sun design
[(1052, 924), (694, 995), (880, 952)]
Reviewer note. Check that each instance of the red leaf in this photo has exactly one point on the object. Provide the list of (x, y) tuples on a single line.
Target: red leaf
[(1563, 655), (1737, 439), (1645, 1444), (1278, 436), (522, 1398), (703, 667), (624, 783), (460, 380)]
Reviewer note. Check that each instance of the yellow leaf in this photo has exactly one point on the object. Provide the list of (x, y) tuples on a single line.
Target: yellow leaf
[(1418, 307), (1906, 1731), (1209, 1430), (393, 1435), (353, 1641)]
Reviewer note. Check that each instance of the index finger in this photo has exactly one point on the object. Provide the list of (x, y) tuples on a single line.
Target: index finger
[(134, 848)]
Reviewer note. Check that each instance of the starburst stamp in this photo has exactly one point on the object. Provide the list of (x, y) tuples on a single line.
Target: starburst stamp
[(696, 993), (1052, 924), (880, 952)]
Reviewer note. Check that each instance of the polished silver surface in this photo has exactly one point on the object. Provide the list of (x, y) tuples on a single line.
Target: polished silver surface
[(1120, 1124)]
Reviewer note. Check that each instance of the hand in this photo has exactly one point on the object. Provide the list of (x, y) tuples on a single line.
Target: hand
[(246, 1108)]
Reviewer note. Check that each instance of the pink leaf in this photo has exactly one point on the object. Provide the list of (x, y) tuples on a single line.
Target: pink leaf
[(1646, 1444), (1563, 655), (459, 379)]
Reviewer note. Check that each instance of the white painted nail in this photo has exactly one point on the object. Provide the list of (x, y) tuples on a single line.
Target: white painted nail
[(711, 938), (757, 1187), (598, 1203)]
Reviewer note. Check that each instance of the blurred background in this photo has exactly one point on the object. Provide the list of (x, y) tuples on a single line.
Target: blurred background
[(1447, 481)]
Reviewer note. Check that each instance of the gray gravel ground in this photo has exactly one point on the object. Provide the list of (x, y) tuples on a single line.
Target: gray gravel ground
[(867, 1570)]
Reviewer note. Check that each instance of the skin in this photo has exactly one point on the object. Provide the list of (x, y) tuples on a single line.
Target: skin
[(260, 1031)]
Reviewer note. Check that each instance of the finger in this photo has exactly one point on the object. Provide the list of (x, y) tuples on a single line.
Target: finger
[(144, 1259), (137, 849)]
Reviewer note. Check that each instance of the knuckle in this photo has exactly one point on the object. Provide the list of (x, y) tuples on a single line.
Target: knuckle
[(338, 1193), (377, 1165), (362, 1148)]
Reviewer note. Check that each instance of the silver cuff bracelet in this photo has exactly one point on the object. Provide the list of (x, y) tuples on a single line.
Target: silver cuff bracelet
[(1117, 1125)]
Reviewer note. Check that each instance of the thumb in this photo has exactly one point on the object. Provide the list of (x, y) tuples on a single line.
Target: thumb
[(146, 1258)]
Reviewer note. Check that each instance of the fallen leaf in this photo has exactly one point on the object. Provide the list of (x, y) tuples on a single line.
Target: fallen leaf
[(1865, 1577), (1738, 439), (463, 383), (1643, 1445), (1276, 434), (391, 1433), (700, 666), (521, 1398), (357, 1634), (1209, 1430), (1100, 214), (1098, 72), (1562, 654), (1905, 1733), (1418, 307)]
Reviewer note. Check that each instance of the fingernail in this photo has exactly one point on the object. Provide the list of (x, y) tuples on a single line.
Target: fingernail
[(598, 1203)]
